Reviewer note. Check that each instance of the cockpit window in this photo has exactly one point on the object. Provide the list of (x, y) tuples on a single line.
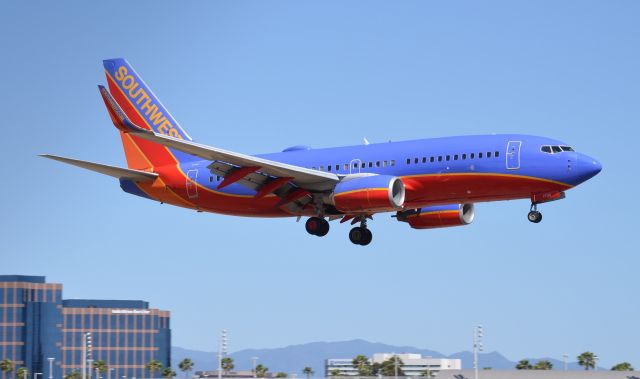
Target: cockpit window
[(555, 149)]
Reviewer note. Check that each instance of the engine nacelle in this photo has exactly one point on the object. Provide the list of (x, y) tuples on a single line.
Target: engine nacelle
[(439, 216), (377, 193)]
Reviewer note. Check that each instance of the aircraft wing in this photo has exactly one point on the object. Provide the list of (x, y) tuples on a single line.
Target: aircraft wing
[(301, 176), (116, 172)]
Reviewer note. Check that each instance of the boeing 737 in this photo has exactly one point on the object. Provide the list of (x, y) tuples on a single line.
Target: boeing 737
[(427, 183)]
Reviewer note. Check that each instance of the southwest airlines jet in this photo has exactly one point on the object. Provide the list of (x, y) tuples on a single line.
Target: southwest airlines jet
[(428, 183)]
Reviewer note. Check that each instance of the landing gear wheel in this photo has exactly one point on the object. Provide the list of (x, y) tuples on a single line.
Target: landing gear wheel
[(317, 226), (534, 216), (360, 236)]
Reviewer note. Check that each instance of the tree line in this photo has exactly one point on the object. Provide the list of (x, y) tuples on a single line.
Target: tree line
[(587, 360)]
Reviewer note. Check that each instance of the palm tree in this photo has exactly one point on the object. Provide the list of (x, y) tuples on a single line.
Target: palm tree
[(185, 365), (523, 364), (281, 375), (101, 366), (261, 371), (168, 373), (587, 360), (72, 375), (362, 364), (153, 366), (335, 372), (22, 373), (388, 367), (227, 365), (308, 371), (624, 366), (6, 365), (543, 365)]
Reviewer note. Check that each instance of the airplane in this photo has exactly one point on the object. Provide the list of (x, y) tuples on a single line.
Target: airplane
[(427, 183)]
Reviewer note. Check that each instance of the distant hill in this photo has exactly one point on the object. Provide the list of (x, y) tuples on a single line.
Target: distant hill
[(292, 359)]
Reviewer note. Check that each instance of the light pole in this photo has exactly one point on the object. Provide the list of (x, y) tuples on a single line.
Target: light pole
[(253, 364), (51, 367), (595, 362), (478, 334), (395, 366), (90, 368), (86, 352), (565, 358), (222, 350)]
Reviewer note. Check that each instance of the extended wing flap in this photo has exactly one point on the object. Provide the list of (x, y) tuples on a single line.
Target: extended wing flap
[(116, 172)]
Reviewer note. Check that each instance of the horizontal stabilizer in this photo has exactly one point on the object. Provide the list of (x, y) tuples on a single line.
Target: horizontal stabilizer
[(116, 172)]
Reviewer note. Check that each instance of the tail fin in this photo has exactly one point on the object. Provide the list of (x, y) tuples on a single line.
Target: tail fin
[(145, 110)]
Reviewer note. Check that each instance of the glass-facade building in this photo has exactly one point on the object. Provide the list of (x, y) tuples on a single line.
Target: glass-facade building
[(37, 324)]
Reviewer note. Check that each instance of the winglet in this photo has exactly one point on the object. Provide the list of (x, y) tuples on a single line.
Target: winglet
[(119, 118)]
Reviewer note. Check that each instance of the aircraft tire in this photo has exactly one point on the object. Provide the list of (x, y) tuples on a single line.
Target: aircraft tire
[(360, 236), (317, 226), (534, 216)]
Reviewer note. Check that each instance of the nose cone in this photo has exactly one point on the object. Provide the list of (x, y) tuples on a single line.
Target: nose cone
[(587, 168)]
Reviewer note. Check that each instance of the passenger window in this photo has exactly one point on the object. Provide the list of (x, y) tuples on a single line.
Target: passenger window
[(377, 163), (471, 156), (337, 167), (393, 162), (355, 165), (321, 168), (210, 179), (384, 163), (217, 178), (455, 157), (448, 158), (408, 160), (496, 154), (464, 156), (556, 149), (329, 168), (432, 159), (479, 155), (439, 158), (488, 154), (424, 159), (415, 160), (370, 164)]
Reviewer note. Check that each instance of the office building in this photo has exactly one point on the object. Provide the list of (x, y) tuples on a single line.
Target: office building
[(412, 364), (44, 333)]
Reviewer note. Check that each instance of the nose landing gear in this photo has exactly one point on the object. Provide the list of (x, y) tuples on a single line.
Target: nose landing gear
[(534, 215), (317, 226)]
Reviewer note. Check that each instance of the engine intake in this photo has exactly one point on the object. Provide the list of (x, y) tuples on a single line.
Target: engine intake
[(369, 193), (439, 216)]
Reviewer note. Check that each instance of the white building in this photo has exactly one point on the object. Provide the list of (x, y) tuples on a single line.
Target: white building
[(413, 364)]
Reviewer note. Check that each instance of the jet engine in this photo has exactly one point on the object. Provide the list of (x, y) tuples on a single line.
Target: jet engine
[(375, 193), (439, 216)]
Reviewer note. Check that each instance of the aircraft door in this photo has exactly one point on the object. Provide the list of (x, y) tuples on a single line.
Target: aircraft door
[(191, 184), (513, 155), (354, 166)]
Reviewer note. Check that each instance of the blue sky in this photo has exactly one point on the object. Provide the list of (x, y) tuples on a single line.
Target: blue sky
[(260, 76)]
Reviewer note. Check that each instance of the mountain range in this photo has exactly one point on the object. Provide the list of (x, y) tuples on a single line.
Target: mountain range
[(292, 359)]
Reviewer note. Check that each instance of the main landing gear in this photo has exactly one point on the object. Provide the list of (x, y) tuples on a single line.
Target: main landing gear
[(360, 235), (534, 215), (317, 226)]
